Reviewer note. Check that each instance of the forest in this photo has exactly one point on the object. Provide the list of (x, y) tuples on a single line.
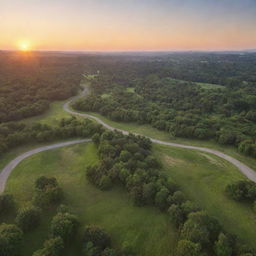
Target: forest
[(224, 113)]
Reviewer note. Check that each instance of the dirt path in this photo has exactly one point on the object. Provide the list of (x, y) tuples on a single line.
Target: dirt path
[(5, 173), (247, 171)]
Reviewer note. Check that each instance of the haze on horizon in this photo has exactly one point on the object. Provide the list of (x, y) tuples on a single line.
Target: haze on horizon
[(120, 25)]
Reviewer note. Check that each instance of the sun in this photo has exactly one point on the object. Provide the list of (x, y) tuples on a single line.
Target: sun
[(24, 46)]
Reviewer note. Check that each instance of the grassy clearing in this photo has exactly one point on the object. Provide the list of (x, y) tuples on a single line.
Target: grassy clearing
[(210, 86), (130, 89), (203, 178), (207, 86), (146, 229), (51, 116)]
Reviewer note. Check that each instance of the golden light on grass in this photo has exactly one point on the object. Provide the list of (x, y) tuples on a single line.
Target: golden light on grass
[(24, 46)]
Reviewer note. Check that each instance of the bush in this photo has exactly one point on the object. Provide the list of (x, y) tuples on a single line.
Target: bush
[(97, 236), (64, 225), (10, 239), (43, 181), (242, 190), (6, 203), (52, 247), (222, 246), (28, 218), (48, 192), (187, 248), (176, 214)]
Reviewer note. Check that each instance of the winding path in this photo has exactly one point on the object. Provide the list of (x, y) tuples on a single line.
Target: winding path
[(247, 171), (5, 173)]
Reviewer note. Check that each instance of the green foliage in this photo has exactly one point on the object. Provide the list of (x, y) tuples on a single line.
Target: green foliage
[(47, 193), (243, 190), (28, 218), (15, 134), (187, 248), (64, 225), (10, 239), (97, 236), (200, 228), (222, 246), (52, 247), (6, 204), (176, 215)]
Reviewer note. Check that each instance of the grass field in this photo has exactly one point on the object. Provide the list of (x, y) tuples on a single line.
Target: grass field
[(207, 86), (51, 116), (145, 228), (203, 178)]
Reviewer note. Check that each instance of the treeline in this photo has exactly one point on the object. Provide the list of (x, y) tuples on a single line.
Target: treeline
[(128, 161), (182, 109), (13, 134), (64, 226)]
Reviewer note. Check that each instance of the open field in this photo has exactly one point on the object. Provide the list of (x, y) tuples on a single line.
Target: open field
[(203, 179), (51, 116), (202, 85), (145, 228)]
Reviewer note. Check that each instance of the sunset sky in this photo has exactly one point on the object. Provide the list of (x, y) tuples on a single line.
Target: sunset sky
[(101, 25)]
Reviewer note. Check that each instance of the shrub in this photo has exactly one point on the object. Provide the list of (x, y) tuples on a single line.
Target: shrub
[(48, 192), (97, 236), (52, 247), (43, 181), (6, 203), (176, 214), (187, 248), (222, 246), (64, 225), (28, 218), (10, 239)]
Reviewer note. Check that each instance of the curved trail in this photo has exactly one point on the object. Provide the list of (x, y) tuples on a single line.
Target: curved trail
[(4, 175), (247, 171)]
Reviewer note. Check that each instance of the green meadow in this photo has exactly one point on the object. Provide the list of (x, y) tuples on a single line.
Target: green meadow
[(146, 229)]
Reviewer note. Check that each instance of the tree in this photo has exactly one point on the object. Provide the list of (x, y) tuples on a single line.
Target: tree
[(187, 248), (64, 225), (28, 218), (6, 203), (177, 198), (42, 182), (161, 198), (149, 192), (10, 239), (176, 214), (97, 236), (52, 247), (47, 192), (222, 246)]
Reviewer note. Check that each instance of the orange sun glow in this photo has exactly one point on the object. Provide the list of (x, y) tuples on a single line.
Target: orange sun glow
[(24, 46)]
